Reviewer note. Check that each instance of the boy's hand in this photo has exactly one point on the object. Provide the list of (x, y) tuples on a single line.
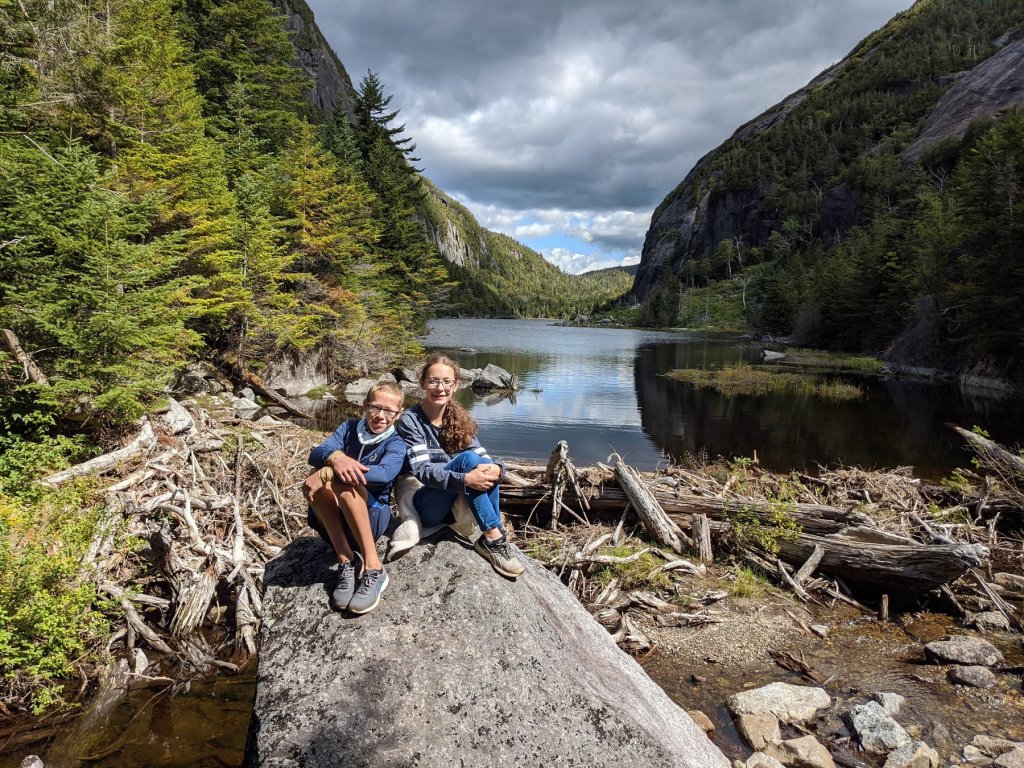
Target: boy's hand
[(348, 470)]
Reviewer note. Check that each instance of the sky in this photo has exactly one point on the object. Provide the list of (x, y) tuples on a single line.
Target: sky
[(564, 123)]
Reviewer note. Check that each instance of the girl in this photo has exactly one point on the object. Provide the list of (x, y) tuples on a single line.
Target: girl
[(348, 495), (436, 430)]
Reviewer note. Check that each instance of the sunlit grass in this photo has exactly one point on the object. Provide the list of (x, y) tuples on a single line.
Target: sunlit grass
[(819, 358), (742, 379)]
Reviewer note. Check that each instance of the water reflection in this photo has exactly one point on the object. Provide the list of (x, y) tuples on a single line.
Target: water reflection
[(603, 390)]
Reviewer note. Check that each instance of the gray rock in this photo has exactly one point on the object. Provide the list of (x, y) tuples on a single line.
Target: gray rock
[(876, 730), (247, 393), (176, 418), (805, 752), (891, 703), (789, 703), (974, 676), (406, 374), (1011, 759), (411, 389), (32, 761), (975, 756), (388, 377), (963, 649), (917, 754), (761, 760), (494, 377), (987, 620), (770, 355), (356, 391), (244, 407), (456, 666), (821, 630), (994, 746), (758, 729), (267, 421), (703, 721)]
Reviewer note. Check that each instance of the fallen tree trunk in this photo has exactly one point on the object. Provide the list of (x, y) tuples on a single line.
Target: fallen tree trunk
[(143, 443), (653, 517)]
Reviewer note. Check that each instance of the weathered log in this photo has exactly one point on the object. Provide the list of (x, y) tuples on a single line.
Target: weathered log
[(702, 538), (33, 371), (647, 508), (917, 567), (144, 442)]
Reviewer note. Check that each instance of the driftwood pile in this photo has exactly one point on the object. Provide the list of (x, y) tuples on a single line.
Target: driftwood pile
[(842, 535), (209, 503)]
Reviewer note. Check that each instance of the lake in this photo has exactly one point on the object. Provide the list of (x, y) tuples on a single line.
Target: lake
[(603, 390)]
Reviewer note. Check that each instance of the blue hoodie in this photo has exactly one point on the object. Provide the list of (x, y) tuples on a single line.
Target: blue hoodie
[(383, 453)]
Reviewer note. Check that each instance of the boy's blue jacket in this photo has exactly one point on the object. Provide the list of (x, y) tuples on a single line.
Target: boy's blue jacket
[(384, 459)]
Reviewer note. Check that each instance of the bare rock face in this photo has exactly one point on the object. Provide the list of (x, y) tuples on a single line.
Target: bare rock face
[(991, 88), (789, 703), (456, 666), (964, 649)]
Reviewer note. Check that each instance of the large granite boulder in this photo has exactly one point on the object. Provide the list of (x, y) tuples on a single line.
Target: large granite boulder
[(457, 666)]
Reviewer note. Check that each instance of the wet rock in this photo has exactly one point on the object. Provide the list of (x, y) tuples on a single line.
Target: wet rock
[(993, 746), (758, 729), (974, 676), (494, 377), (805, 752), (789, 703), (891, 703), (702, 720), (456, 666), (987, 620), (963, 649), (917, 754), (876, 730), (1011, 759), (761, 760)]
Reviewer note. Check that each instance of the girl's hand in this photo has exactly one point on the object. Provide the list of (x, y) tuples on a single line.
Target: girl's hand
[(483, 477)]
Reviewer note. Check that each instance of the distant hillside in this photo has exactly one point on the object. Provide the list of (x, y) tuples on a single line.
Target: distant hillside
[(875, 207), (500, 277)]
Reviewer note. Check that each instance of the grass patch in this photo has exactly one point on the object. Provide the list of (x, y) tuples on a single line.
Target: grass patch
[(831, 361), (634, 575), (760, 380), (747, 582)]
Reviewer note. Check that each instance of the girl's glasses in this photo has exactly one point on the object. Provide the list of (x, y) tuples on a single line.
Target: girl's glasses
[(440, 383), (376, 410)]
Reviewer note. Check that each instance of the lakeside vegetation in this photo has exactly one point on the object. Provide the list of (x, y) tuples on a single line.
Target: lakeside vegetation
[(760, 380), (843, 243)]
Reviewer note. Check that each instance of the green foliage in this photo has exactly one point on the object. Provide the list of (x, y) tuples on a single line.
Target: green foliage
[(637, 574), (760, 380), (766, 531), (749, 583), (47, 620)]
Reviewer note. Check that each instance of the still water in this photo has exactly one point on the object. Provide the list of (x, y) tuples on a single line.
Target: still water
[(602, 390)]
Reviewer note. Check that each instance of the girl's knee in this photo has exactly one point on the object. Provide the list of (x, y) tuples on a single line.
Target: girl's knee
[(469, 459)]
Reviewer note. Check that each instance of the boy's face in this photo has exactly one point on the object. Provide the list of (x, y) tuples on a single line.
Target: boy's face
[(382, 410)]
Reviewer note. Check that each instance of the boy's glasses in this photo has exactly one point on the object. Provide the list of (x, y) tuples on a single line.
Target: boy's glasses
[(377, 410), (440, 383)]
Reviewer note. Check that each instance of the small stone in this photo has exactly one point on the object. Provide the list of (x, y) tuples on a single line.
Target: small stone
[(820, 630), (244, 405), (761, 760), (267, 421), (974, 755), (993, 746), (917, 754), (789, 703), (974, 676), (891, 702), (32, 761), (877, 731), (702, 720), (758, 729), (1012, 759), (247, 393), (805, 752), (963, 649), (176, 418)]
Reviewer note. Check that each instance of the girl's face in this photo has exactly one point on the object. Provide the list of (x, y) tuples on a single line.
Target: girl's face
[(382, 410), (439, 382)]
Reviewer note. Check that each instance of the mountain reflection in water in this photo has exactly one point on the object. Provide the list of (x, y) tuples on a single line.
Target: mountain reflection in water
[(602, 389)]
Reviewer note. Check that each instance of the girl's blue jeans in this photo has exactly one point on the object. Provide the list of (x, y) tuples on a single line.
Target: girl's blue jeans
[(435, 504)]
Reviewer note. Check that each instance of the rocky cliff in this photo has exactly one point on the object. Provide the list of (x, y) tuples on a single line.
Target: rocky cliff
[(457, 666)]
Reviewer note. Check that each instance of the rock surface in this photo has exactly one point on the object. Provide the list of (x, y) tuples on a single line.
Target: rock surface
[(974, 676), (789, 703), (1012, 759), (914, 755), (758, 729), (805, 752), (891, 703), (457, 666), (876, 730), (963, 649)]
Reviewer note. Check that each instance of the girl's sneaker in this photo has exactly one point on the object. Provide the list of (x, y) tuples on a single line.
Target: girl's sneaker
[(500, 555), (367, 595)]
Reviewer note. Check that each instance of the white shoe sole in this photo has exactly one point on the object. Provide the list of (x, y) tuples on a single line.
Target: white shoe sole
[(374, 605)]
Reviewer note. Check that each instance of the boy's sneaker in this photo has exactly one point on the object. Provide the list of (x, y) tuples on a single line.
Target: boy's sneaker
[(346, 586), (371, 586), (500, 555)]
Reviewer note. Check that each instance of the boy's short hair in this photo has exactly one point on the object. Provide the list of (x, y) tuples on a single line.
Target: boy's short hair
[(384, 386)]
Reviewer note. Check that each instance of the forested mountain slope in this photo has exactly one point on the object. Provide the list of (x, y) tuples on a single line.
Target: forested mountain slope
[(878, 208)]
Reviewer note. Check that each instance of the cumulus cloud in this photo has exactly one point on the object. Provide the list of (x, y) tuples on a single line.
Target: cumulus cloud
[(579, 117)]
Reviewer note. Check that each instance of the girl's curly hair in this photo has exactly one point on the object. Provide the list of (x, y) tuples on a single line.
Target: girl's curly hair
[(458, 428)]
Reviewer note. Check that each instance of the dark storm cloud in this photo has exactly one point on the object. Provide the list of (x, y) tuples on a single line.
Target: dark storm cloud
[(599, 107)]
